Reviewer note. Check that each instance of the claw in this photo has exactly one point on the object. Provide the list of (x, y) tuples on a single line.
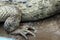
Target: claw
[(24, 35), (23, 32), (30, 33), (19, 32), (33, 28), (30, 28)]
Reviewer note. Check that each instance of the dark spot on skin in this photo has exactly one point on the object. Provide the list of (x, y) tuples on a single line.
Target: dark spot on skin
[(37, 16), (56, 5), (41, 8), (24, 2), (10, 0), (23, 14), (29, 6), (58, 1)]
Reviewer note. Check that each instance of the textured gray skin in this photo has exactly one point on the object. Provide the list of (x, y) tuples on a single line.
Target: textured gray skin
[(11, 16), (25, 10), (36, 9)]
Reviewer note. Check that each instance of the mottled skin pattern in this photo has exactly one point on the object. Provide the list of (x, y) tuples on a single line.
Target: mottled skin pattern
[(11, 15), (36, 9), (25, 10)]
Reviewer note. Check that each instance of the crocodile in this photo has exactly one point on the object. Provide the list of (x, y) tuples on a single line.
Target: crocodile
[(15, 11)]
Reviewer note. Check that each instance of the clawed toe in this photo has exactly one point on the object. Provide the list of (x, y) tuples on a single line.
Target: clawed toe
[(33, 28), (30, 28), (23, 32)]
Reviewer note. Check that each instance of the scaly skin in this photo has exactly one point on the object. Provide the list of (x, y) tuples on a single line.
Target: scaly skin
[(36, 9), (25, 10), (11, 15)]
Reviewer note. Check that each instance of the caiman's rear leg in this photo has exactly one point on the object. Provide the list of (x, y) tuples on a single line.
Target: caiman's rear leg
[(11, 26)]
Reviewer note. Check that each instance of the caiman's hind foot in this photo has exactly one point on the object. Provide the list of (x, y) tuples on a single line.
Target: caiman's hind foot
[(23, 32), (11, 26)]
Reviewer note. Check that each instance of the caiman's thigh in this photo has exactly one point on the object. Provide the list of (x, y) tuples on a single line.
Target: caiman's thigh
[(7, 11)]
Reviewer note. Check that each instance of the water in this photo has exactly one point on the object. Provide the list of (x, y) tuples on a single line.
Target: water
[(4, 38)]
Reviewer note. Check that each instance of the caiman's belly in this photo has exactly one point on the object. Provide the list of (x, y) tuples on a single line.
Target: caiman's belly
[(6, 11)]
